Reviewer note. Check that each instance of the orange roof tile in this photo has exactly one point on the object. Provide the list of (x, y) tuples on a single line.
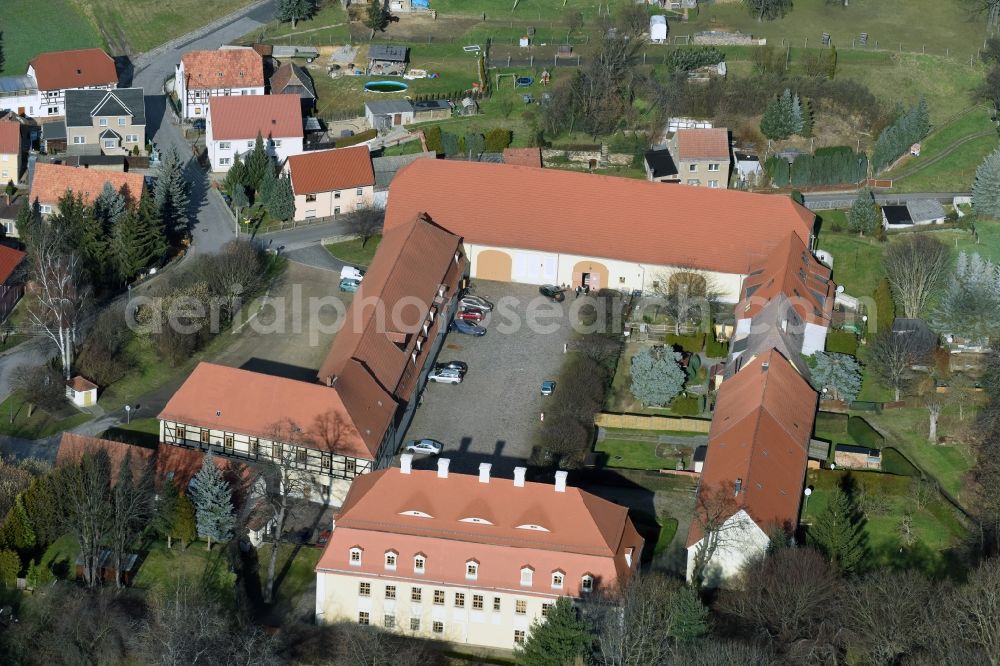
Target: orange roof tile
[(703, 144), (577, 533), (760, 435), (255, 404), (73, 447), (51, 181), (224, 68), (791, 270), (531, 157), (10, 259), (81, 383), (10, 137), (60, 70), (328, 170), (181, 464), (599, 216), (245, 116)]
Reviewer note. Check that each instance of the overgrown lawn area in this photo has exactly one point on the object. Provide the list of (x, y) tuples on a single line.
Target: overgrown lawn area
[(639, 449), (857, 260), (40, 423), (353, 252)]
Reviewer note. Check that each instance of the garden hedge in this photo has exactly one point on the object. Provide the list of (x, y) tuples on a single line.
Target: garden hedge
[(688, 405), (360, 137), (688, 343), (831, 423), (842, 342), (862, 433), (894, 462)]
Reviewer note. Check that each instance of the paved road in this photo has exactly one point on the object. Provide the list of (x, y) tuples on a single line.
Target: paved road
[(293, 239)]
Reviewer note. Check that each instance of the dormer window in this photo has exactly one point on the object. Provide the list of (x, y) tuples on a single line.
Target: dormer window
[(390, 560), (419, 564), (557, 580), (527, 576), (355, 557), (532, 526), (630, 550), (471, 570), (475, 519), (415, 513), (587, 583)]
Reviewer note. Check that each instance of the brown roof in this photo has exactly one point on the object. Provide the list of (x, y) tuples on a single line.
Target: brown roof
[(328, 170), (290, 73), (72, 448), (59, 70), (760, 435), (180, 464), (10, 137), (703, 144), (599, 216), (574, 532), (790, 270), (245, 116), (52, 180), (81, 383), (255, 404), (10, 259), (225, 68), (531, 157)]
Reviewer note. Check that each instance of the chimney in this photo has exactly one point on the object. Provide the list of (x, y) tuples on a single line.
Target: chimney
[(443, 468), (561, 481), (405, 463), (519, 476), (484, 472)]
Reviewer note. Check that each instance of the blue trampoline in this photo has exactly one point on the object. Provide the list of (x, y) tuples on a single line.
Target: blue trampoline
[(523, 81)]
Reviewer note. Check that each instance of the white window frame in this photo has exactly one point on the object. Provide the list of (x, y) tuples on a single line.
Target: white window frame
[(713, 167), (132, 138), (471, 570), (391, 560), (121, 121), (77, 140), (587, 583), (354, 557), (527, 576), (225, 145), (103, 122), (44, 209), (558, 580), (713, 184), (110, 143), (224, 161), (419, 564)]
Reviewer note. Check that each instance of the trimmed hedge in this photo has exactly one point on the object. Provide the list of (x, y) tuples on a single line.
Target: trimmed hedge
[(688, 343), (842, 342), (688, 405), (831, 423), (360, 137), (894, 462), (862, 433)]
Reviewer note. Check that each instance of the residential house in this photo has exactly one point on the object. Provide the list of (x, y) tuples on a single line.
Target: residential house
[(105, 122), (702, 156), (234, 123), (11, 280), (13, 150), (51, 181), (290, 79), (913, 212), (202, 75), (58, 71), (10, 207), (388, 114), (352, 420), (332, 182), (803, 284), (531, 157), (755, 466), (468, 559), (660, 166), (387, 60), (748, 167), (573, 234), (19, 94)]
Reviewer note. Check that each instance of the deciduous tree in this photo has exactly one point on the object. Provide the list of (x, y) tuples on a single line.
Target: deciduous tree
[(366, 222), (294, 10), (85, 508), (916, 266), (720, 528), (376, 17), (131, 510), (768, 9), (891, 357)]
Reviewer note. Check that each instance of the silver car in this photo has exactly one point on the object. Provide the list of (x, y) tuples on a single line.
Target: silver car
[(471, 301), (445, 376), (431, 447)]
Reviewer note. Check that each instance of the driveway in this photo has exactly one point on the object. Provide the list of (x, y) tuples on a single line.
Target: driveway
[(492, 415)]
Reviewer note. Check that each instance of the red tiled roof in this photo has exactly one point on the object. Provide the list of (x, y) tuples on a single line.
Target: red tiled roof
[(245, 116), (60, 70), (703, 144), (792, 270), (51, 181), (760, 435), (224, 68), (255, 404), (531, 157), (328, 170), (10, 137), (72, 448), (580, 533), (10, 259), (181, 464), (599, 216), (81, 383)]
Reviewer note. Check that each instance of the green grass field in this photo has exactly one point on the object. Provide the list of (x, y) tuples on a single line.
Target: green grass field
[(633, 449), (857, 261), (352, 252), (31, 27), (145, 432), (40, 423)]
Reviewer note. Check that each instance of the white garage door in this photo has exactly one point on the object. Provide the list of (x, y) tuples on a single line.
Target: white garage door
[(533, 268)]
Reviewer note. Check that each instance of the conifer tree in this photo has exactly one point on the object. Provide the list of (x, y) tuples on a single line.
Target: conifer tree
[(171, 195), (266, 186), (186, 524), (986, 188), (29, 220), (16, 532), (796, 115), (281, 201), (257, 165), (560, 638), (863, 216), (838, 532), (110, 206), (236, 177), (137, 240), (83, 235), (213, 503)]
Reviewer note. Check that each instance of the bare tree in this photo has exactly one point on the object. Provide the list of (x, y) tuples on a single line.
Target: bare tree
[(687, 296), (714, 518), (891, 356), (85, 508), (934, 404), (366, 223), (916, 266), (975, 609), (234, 272), (41, 386), (131, 511), (58, 294), (990, 9)]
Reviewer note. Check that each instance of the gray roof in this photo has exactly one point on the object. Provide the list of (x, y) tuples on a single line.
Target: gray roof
[(389, 106), (386, 167), (924, 210), (660, 163), (387, 52), (53, 131), (767, 333), (80, 104), (11, 85), (919, 337), (430, 104)]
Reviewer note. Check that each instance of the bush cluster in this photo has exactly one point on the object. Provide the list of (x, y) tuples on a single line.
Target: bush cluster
[(862, 433)]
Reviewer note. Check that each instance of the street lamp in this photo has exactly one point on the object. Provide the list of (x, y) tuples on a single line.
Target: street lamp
[(807, 492), (128, 414)]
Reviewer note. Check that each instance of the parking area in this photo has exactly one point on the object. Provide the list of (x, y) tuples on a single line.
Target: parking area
[(492, 415)]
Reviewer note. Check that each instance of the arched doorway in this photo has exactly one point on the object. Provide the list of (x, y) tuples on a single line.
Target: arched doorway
[(591, 274), (493, 265)]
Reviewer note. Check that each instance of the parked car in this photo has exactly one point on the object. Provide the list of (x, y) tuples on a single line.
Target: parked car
[(471, 301), (470, 315), (198, 124), (431, 447), (548, 387), (461, 366), (467, 328), (551, 291), (445, 376), (347, 284)]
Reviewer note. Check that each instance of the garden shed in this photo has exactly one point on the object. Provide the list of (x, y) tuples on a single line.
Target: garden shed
[(387, 60), (658, 29)]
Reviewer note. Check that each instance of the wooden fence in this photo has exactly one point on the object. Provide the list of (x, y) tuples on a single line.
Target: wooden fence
[(646, 422)]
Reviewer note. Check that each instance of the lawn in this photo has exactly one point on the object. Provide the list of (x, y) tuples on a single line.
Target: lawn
[(353, 252), (31, 27), (161, 566), (546, 10), (857, 261), (668, 528), (148, 373), (40, 423), (145, 432), (294, 574), (638, 449)]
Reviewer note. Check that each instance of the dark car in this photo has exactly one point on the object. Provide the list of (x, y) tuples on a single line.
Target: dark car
[(557, 294), (461, 366), (467, 328), (198, 124)]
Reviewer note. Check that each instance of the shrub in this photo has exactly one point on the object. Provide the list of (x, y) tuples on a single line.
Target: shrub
[(842, 342), (686, 59), (497, 139), (10, 566), (432, 135), (688, 343), (862, 433), (832, 423), (894, 462), (360, 137), (688, 405)]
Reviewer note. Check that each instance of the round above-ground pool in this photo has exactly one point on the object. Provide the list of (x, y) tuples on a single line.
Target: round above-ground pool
[(386, 86)]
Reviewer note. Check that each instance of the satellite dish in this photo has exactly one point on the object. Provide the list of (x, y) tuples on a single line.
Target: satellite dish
[(840, 288)]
